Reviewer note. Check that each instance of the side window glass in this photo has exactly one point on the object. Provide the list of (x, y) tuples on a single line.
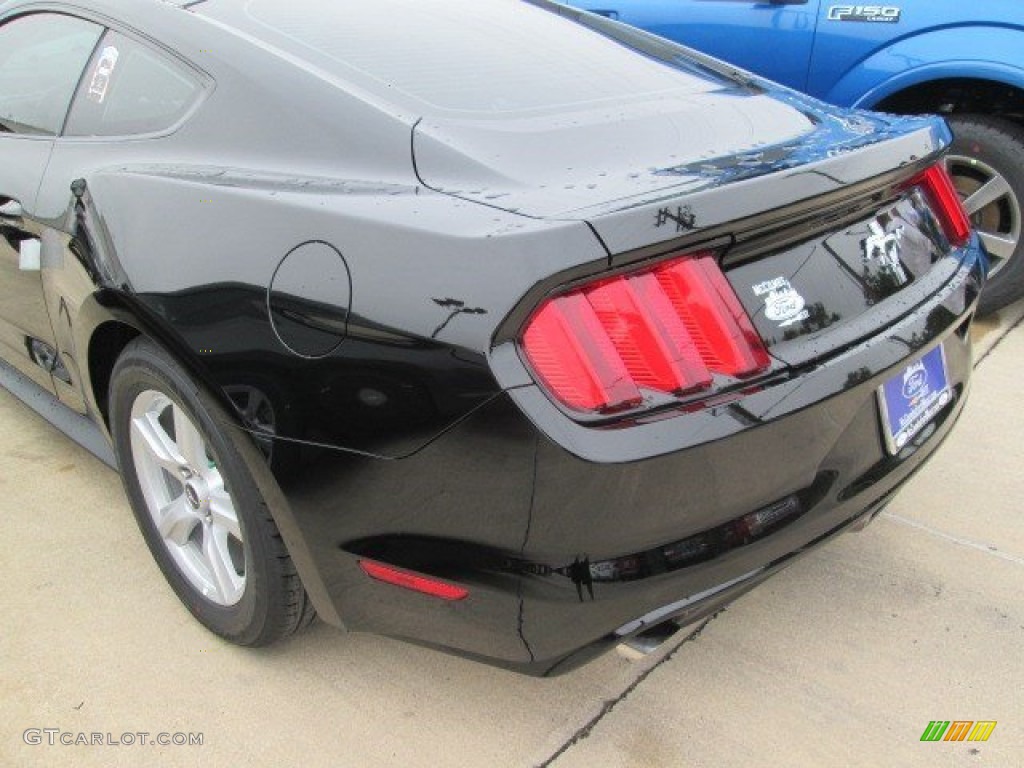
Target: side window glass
[(129, 88), (42, 56)]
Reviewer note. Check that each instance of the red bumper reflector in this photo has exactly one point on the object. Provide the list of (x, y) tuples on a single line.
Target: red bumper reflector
[(946, 205), (667, 328), (413, 581)]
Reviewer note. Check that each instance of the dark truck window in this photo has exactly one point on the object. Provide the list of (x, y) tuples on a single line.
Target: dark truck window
[(130, 88), (41, 59)]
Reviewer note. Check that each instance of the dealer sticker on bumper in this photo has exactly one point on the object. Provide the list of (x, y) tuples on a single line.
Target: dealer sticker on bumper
[(913, 397)]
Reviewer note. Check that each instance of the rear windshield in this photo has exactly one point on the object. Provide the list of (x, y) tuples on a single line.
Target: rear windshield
[(463, 55)]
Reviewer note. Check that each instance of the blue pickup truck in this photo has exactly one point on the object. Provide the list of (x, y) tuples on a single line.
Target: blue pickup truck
[(964, 60)]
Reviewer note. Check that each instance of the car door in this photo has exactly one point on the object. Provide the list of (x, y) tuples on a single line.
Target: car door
[(772, 38), (42, 56)]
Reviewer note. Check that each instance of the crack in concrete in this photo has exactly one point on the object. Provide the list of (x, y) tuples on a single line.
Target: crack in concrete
[(587, 728), (988, 549)]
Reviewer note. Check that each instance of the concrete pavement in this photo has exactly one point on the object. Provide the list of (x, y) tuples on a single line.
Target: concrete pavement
[(843, 659)]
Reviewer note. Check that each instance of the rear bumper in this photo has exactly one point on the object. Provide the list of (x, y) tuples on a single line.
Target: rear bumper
[(695, 607), (554, 614), (568, 539)]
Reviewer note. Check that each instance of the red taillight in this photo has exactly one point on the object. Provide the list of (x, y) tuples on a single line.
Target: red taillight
[(413, 581), (945, 201), (667, 328), (571, 353)]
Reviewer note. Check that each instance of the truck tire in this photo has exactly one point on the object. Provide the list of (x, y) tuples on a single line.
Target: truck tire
[(986, 161)]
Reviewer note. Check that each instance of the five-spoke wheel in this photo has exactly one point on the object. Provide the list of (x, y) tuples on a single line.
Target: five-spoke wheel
[(986, 162), (185, 495), (196, 502)]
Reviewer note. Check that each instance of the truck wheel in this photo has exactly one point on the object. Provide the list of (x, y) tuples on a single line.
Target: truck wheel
[(199, 510), (986, 162)]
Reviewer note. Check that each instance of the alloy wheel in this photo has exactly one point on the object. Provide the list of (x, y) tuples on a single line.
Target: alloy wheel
[(186, 496), (991, 204)]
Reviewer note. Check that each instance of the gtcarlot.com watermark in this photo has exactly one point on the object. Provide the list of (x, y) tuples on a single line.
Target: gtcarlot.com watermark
[(53, 737)]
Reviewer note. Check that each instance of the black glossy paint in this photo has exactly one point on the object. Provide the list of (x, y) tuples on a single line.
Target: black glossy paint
[(382, 403)]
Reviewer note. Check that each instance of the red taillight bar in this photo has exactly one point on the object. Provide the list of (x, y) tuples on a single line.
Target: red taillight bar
[(573, 357), (413, 581), (666, 328), (938, 187)]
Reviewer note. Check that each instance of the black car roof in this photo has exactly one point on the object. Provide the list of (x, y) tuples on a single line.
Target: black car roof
[(469, 56)]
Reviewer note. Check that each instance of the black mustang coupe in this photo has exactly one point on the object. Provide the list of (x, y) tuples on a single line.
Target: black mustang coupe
[(489, 324)]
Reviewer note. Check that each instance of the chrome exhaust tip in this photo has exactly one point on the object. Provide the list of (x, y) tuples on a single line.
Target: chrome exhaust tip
[(645, 643)]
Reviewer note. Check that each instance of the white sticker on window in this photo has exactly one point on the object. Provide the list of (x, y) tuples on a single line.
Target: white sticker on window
[(102, 74), (782, 302)]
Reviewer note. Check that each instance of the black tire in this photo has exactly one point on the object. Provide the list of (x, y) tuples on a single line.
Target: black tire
[(268, 601), (984, 145)]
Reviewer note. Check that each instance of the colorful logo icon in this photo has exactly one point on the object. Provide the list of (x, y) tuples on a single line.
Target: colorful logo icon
[(958, 730)]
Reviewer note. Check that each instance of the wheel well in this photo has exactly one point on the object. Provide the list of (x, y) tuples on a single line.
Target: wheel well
[(105, 347), (955, 95)]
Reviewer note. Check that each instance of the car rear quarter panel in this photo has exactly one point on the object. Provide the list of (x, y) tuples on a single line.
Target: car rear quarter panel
[(344, 468), (431, 276)]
